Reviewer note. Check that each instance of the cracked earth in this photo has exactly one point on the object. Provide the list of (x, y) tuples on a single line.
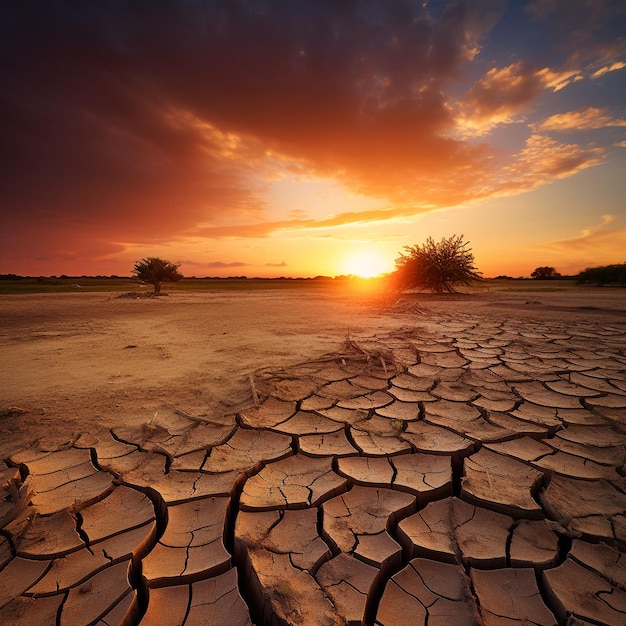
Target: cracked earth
[(465, 471)]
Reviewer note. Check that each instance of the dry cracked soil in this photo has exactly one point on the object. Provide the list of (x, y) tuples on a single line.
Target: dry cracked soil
[(280, 459)]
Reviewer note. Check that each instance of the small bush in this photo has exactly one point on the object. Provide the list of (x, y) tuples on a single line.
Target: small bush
[(438, 267)]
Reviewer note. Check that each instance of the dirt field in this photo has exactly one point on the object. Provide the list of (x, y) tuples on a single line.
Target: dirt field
[(313, 457), (75, 362)]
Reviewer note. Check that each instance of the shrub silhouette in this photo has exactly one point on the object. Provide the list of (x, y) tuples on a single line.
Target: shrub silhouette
[(606, 274), (544, 273), (435, 266), (154, 271)]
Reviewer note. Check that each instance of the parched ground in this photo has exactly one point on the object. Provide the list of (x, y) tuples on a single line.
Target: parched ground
[(277, 458)]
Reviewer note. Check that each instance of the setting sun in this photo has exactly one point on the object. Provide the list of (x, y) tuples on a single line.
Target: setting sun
[(367, 265)]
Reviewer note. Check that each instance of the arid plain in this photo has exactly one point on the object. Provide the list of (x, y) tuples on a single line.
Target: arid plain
[(292, 456)]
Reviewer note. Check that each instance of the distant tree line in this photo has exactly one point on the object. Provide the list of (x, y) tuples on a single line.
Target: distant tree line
[(434, 266), (604, 275)]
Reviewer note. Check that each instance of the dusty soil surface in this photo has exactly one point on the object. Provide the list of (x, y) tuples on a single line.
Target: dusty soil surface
[(314, 458), (79, 361)]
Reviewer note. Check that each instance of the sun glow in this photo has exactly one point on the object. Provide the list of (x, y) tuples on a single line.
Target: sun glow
[(366, 265)]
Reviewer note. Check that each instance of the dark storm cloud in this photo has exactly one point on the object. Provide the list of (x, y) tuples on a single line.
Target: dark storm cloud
[(589, 32), (103, 104), (143, 121)]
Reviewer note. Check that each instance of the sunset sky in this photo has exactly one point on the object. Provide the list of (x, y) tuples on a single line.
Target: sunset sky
[(308, 137)]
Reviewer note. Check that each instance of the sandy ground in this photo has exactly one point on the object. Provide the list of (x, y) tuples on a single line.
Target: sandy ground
[(75, 362)]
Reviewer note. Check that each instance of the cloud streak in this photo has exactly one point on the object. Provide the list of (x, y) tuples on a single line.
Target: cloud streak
[(597, 245)]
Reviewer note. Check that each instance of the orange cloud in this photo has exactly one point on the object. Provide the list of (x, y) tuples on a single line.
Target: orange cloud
[(618, 65), (502, 93), (588, 118), (542, 160)]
